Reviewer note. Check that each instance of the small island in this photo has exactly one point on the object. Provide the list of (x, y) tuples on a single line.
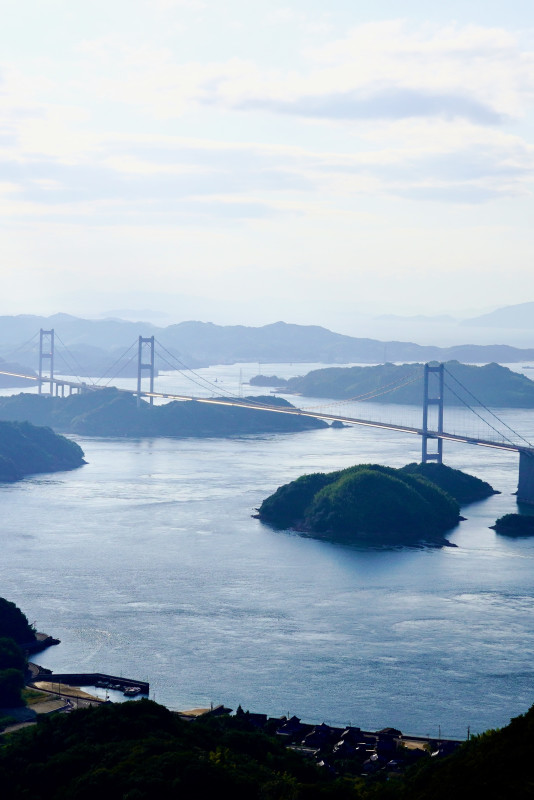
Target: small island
[(267, 380), (371, 504), (27, 449), (514, 525)]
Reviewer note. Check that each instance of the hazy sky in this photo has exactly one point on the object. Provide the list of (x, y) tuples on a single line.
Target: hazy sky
[(250, 160)]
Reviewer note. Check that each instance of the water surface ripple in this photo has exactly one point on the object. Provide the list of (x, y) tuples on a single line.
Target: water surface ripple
[(148, 563)]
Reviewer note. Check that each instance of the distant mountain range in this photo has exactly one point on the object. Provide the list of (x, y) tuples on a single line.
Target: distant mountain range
[(517, 316), (95, 344)]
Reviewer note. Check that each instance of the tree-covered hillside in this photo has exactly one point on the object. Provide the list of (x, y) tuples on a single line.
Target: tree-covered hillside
[(27, 449), (492, 384), (497, 765), (463, 487), (367, 503), (109, 412), (15, 630), (141, 751)]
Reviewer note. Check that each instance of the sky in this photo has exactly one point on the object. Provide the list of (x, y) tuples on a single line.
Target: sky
[(245, 162)]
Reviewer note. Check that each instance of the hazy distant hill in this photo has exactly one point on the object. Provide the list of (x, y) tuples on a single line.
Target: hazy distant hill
[(100, 342), (517, 316), (14, 366)]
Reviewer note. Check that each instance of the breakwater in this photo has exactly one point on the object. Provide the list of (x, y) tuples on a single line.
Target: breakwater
[(96, 679)]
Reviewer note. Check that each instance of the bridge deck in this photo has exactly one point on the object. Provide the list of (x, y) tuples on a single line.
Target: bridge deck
[(243, 403)]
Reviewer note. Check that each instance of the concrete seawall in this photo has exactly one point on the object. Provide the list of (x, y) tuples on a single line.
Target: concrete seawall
[(91, 679)]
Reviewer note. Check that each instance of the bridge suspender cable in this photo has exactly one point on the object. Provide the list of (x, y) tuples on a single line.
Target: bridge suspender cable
[(373, 393), (502, 422), (117, 361), (23, 345), (75, 361), (184, 368)]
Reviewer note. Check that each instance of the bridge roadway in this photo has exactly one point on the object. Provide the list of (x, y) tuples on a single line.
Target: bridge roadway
[(453, 437), (244, 403)]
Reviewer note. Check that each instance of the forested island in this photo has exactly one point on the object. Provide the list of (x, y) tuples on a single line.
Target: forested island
[(514, 525), (110, 412), (492, 384), (372, 504), (27, 449)]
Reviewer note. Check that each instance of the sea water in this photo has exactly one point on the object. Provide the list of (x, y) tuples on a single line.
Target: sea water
[(148, 563)]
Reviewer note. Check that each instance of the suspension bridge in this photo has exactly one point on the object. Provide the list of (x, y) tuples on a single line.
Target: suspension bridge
[(431, 431)]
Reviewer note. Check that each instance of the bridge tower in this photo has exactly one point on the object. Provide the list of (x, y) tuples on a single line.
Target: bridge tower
[(46, 353), (146, 345), (433, 396), (525, 487)]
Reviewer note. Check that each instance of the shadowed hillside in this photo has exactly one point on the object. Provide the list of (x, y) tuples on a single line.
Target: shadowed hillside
[(26, 449), (109, 412)]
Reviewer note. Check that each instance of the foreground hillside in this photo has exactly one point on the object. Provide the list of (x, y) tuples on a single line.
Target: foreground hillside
[(26, 449), (109, 412), (492, 384), (496, 765), (140, 750)]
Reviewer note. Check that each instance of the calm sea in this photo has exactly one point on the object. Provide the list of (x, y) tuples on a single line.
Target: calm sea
[(147, 562)]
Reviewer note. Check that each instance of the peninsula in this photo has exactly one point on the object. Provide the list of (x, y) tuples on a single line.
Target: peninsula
[(27, 449)]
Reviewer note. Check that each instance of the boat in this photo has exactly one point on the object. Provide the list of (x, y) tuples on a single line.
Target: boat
[(132, 691)]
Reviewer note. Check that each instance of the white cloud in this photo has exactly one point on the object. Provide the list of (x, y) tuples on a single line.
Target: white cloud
[(379, 152)]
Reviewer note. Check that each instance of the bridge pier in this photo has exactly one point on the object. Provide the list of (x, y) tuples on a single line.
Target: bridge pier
[(525, 488)]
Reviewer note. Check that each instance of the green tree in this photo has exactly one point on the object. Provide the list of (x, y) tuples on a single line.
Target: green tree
[(13, 623), (11, 686), (11, 656)]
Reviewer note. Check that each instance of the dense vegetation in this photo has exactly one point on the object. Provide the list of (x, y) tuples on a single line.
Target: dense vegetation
[(26, 449), (366, 503), (15, 630), (496, 765), (491, 384), (515, 525), (140, 751), (14, 623), (109, 412), (463, 487)]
